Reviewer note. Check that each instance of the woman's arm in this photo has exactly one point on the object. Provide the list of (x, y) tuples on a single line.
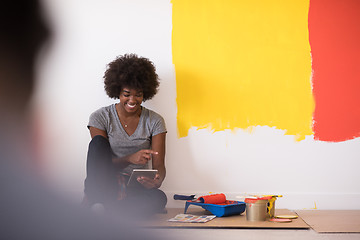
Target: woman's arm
[(95, 131), (158, 162)]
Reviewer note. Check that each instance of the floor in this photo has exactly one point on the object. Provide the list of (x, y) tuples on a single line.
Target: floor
[(335, 220), (248, 234)]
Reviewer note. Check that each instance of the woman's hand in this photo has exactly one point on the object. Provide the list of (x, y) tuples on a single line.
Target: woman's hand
[(150, 183), (141, 157)]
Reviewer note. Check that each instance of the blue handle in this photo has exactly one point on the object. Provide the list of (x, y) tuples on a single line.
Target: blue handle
[(183, 197)]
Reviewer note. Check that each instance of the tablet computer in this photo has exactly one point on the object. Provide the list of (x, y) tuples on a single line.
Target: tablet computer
[(136, 173)]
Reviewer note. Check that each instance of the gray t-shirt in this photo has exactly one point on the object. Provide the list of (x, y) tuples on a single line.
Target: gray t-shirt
[(150, 124)]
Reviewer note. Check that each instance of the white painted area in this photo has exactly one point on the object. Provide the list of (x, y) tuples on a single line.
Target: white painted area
[(89, 34)]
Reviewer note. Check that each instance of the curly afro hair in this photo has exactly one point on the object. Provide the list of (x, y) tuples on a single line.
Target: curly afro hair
[(132, 72)]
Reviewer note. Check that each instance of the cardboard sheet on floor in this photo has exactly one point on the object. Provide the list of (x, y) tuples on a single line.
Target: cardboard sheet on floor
[(332, 221), (235, 221)]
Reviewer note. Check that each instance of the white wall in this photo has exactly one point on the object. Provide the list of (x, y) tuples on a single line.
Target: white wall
[(89, 34)]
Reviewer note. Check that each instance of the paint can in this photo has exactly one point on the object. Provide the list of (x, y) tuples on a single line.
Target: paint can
[(256, 208)]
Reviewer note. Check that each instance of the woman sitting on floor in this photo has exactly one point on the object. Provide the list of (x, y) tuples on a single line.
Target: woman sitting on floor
[(127, 136)]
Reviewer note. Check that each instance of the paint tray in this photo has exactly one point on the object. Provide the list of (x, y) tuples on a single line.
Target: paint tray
[(220, 210)]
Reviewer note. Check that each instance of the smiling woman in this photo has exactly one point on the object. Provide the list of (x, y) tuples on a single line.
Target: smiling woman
[(127, 136)]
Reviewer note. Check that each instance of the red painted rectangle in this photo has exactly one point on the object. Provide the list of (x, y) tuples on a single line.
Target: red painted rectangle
[(334, 34)]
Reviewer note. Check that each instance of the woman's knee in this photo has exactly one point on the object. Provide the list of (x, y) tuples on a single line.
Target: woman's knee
[(99, 152), (99, 147), (99, 142)]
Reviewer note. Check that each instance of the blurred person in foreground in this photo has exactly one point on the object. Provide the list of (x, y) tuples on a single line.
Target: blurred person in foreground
[(28, 209)]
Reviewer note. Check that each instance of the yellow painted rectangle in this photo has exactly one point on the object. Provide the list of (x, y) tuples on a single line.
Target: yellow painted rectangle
[(244, 63)]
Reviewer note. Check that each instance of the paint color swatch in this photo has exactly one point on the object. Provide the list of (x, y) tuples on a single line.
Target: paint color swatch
[(241, 64), (334, 28)]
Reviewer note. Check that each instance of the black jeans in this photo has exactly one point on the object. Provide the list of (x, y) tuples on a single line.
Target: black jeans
[(101, 184)]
